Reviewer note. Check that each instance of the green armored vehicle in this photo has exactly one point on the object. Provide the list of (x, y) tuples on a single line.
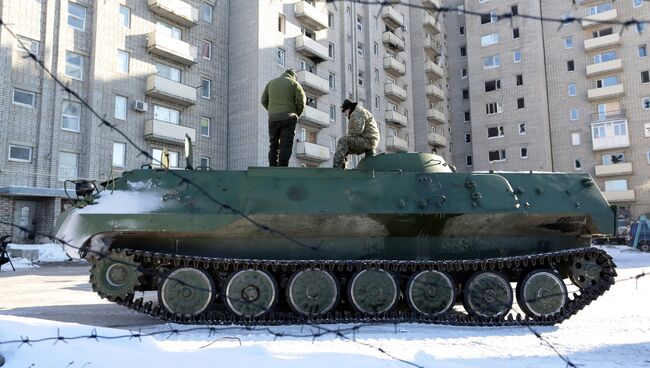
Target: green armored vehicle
[(401, 238)]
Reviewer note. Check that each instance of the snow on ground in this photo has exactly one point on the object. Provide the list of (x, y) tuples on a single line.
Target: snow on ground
[(51, 252), (614, 331)]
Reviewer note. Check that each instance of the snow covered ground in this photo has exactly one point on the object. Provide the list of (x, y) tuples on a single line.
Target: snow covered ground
[(39, 253), (612, 332)]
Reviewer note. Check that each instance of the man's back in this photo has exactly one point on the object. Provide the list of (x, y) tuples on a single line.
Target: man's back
[(283, 97)]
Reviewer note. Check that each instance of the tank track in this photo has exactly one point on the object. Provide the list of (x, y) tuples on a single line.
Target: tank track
[(150, 261)]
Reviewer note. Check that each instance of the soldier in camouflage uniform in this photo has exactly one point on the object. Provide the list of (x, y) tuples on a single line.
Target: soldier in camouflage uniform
[(363, 134)]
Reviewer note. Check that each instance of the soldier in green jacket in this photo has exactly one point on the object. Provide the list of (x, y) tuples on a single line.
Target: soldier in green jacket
[(284, 99), (363, 134)]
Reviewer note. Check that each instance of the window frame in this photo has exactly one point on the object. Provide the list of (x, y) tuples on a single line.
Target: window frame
[(22, 40), (514, 56), (13, 159), (501, 153), (568, 42), (577, 117), (576, 140), (60, 167), (80, 67), (574, 90), (203, 119), (64, 116), (205, 6), (13, 97), (122, 164), (126, 107), (209, 85), (123, 15), (205, 42), (120, 61), (83, 19)]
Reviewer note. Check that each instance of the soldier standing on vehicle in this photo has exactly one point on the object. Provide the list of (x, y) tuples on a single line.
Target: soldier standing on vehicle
[(362, 137), (284, 99)]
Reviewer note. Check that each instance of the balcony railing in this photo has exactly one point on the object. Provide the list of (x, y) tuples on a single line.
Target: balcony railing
[(310, 16), (604, 67), (395, 117), (604, 93), (433, 70), (435, 92), (311, 48), (431, 24), (602, 42), (432, 48), (163, 131), (609, 135), (594, 20), (170, 91), (315, 118), (311, 82), (614, 169), (396, 144), (312, 152), (437, 140), (394, 66), (433, 4), (608, 115), (176, 10), (170, 48), (393, 41), (392, 17), (620, 196), (436, 116), (395, 92)]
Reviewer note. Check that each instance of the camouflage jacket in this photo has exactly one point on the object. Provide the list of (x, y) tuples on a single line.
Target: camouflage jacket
[(361, 123)]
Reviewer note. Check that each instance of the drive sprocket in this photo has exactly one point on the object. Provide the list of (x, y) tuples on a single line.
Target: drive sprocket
[(115, 276)]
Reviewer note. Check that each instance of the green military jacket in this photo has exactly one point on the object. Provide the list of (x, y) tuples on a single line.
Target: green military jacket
[(283, 97), (362, 123)]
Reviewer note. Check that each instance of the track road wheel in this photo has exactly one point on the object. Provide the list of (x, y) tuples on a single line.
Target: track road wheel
[(373, 291), (487, 294), (585, 271), (115, 276), (431, 293), (186, 291), (250, 293), (541, 293), (312, 292)]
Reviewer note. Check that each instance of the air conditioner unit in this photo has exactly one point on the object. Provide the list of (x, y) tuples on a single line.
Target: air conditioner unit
[(139, 105)]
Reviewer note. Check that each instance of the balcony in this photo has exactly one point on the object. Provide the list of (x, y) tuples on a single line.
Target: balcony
[(170, 48), (604, 68), (437, 140), (176, 10), (311, 48), (312, 152), (163, 131), (396, 118), (315, 118), (614, 169), (431, 24), (392, 17), (620, 196), (395, 92), (595, 94), (397, 144), (609, 135), (393, 66), (312, 83), (393, 41), (436, 116), (433, 70), (602, 42), (170, 91), (434, 92), (607, 116), (593, 20), (432, 48), (308, 15), (434, 4)]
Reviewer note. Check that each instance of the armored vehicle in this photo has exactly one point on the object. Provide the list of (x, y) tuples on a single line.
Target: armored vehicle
[(401, 238)]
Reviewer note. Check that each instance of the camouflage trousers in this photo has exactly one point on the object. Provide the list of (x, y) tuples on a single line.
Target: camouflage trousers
[(352, 145)]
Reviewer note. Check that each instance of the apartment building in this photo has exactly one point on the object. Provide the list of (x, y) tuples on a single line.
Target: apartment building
[(572, 97)]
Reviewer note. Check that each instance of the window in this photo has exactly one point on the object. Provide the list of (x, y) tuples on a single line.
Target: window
[(120, 108), (204, 126), (375, 23), (376, 76), (20, 153), (168, 30), (125, 16), (491, 62), (520, 79), (123, 62), (310, 101), (71, 116), (360, 49), (648, 156), (573, 114), (490, 39), (166, 114), (637, 3), (280, 57), (206, 49), (330, 51), (308, 66), (23, 43), (577, 165), (468, 137), (375, 48), (490, 17), (361, 77), (646, 130), (607, 82), (461, 30), (613, 158), (332, 81), (495, 132), (76, 16), (645, 103), (567, 18), (204, 162), (497, 155), (493, 108), (493, 85), (600, 8), (74, 65), (206, 12), (377, 102), (23, 98), (460, 9), (575, 139), (640, 27), (605, 56), (68, 166), (206, 90), (359, 23), (571, 89), (568, 42), (330, 19), (466, 116), (643, 51), (520, 103), (463, 73), (157, 155), (516, 56), (523, 152), (522, 128), (465, 94), (468, 160), (281, 23), (332, 112), (119, 154), (602, 32), (514, 10), (645, 77), (168, 72), (615, 185), (515, 33), (463, 51), (570, 65)]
